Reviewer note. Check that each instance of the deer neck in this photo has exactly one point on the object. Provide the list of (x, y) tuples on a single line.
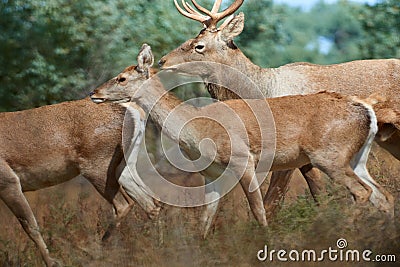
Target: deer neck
[(264, 78), (168, 111)]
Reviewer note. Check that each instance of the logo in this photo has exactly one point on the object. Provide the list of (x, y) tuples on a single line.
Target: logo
[(224, 134)]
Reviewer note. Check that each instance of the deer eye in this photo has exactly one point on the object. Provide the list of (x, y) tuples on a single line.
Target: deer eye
[(200, 48), (122, 80)]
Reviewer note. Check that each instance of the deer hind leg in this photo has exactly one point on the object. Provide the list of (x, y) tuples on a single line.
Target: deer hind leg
[(110, 190), (211, 198), (380, 198), (11, 194), (314, 180), (103, 178), (344, 174)]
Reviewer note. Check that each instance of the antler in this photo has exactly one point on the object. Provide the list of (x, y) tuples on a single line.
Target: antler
[(212, 17)]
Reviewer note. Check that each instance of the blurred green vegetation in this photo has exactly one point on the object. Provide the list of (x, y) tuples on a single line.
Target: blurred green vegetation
[(57, 50)]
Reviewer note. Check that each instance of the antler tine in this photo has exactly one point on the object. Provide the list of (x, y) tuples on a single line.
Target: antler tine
[(190, 9), (216, 6), (229, 11), (189, 14), (202, 9), (211, 18), (214, 16)]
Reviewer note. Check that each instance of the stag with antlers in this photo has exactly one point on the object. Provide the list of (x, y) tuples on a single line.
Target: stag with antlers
[(360, 78)]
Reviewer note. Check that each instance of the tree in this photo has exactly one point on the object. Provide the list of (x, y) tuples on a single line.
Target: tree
[(58, 50), (51, 51), (275, 35), (381, 30)]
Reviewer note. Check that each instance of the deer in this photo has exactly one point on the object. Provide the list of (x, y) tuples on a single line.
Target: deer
[(299, 141), (52, 144), (360, 78)]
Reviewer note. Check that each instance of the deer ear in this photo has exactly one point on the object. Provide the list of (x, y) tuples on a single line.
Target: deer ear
[(233, 27), (145, 58)]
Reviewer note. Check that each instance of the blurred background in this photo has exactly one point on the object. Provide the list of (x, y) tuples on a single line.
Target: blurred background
[(57, 50)]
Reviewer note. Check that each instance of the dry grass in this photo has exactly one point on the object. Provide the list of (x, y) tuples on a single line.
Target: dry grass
[(73, 218)]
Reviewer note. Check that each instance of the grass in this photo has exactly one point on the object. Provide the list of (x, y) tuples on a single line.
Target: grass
[(73, 218)]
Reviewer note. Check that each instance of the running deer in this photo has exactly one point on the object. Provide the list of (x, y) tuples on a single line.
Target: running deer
[(359, 78), (50, 145), (333, 133)]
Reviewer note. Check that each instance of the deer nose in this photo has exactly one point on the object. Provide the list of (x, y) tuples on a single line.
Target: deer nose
[(91, 93), (161, 62)]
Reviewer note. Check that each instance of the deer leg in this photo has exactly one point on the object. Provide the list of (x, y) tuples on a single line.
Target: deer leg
[(392, 144), (211, 199), (129, 178), (11, 194), (314, 180), (346, 176), (277, 189), (248, 183), (136, 189), (111, 191), (380, 198), (122, 204)]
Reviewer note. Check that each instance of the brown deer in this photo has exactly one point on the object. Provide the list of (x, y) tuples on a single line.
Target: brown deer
[(333, 133), (360, 78), (50, 145)]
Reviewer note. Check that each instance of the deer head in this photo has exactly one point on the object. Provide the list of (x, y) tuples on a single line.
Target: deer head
[(213, 43), (117, 89)]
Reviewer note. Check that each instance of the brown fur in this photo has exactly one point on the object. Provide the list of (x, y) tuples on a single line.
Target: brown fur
[(359, 78), (52, 144), (327, 138)]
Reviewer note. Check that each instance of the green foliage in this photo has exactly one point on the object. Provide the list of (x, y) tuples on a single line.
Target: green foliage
[(56, 50), (263, 31), (275, 35), (44, 52), (338, 24), (381, 35)]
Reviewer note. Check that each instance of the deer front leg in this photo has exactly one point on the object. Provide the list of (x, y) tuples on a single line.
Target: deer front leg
[(129, 179), (136, 189), (122, 204), (11, 194), (211, 197), (248, 182)]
